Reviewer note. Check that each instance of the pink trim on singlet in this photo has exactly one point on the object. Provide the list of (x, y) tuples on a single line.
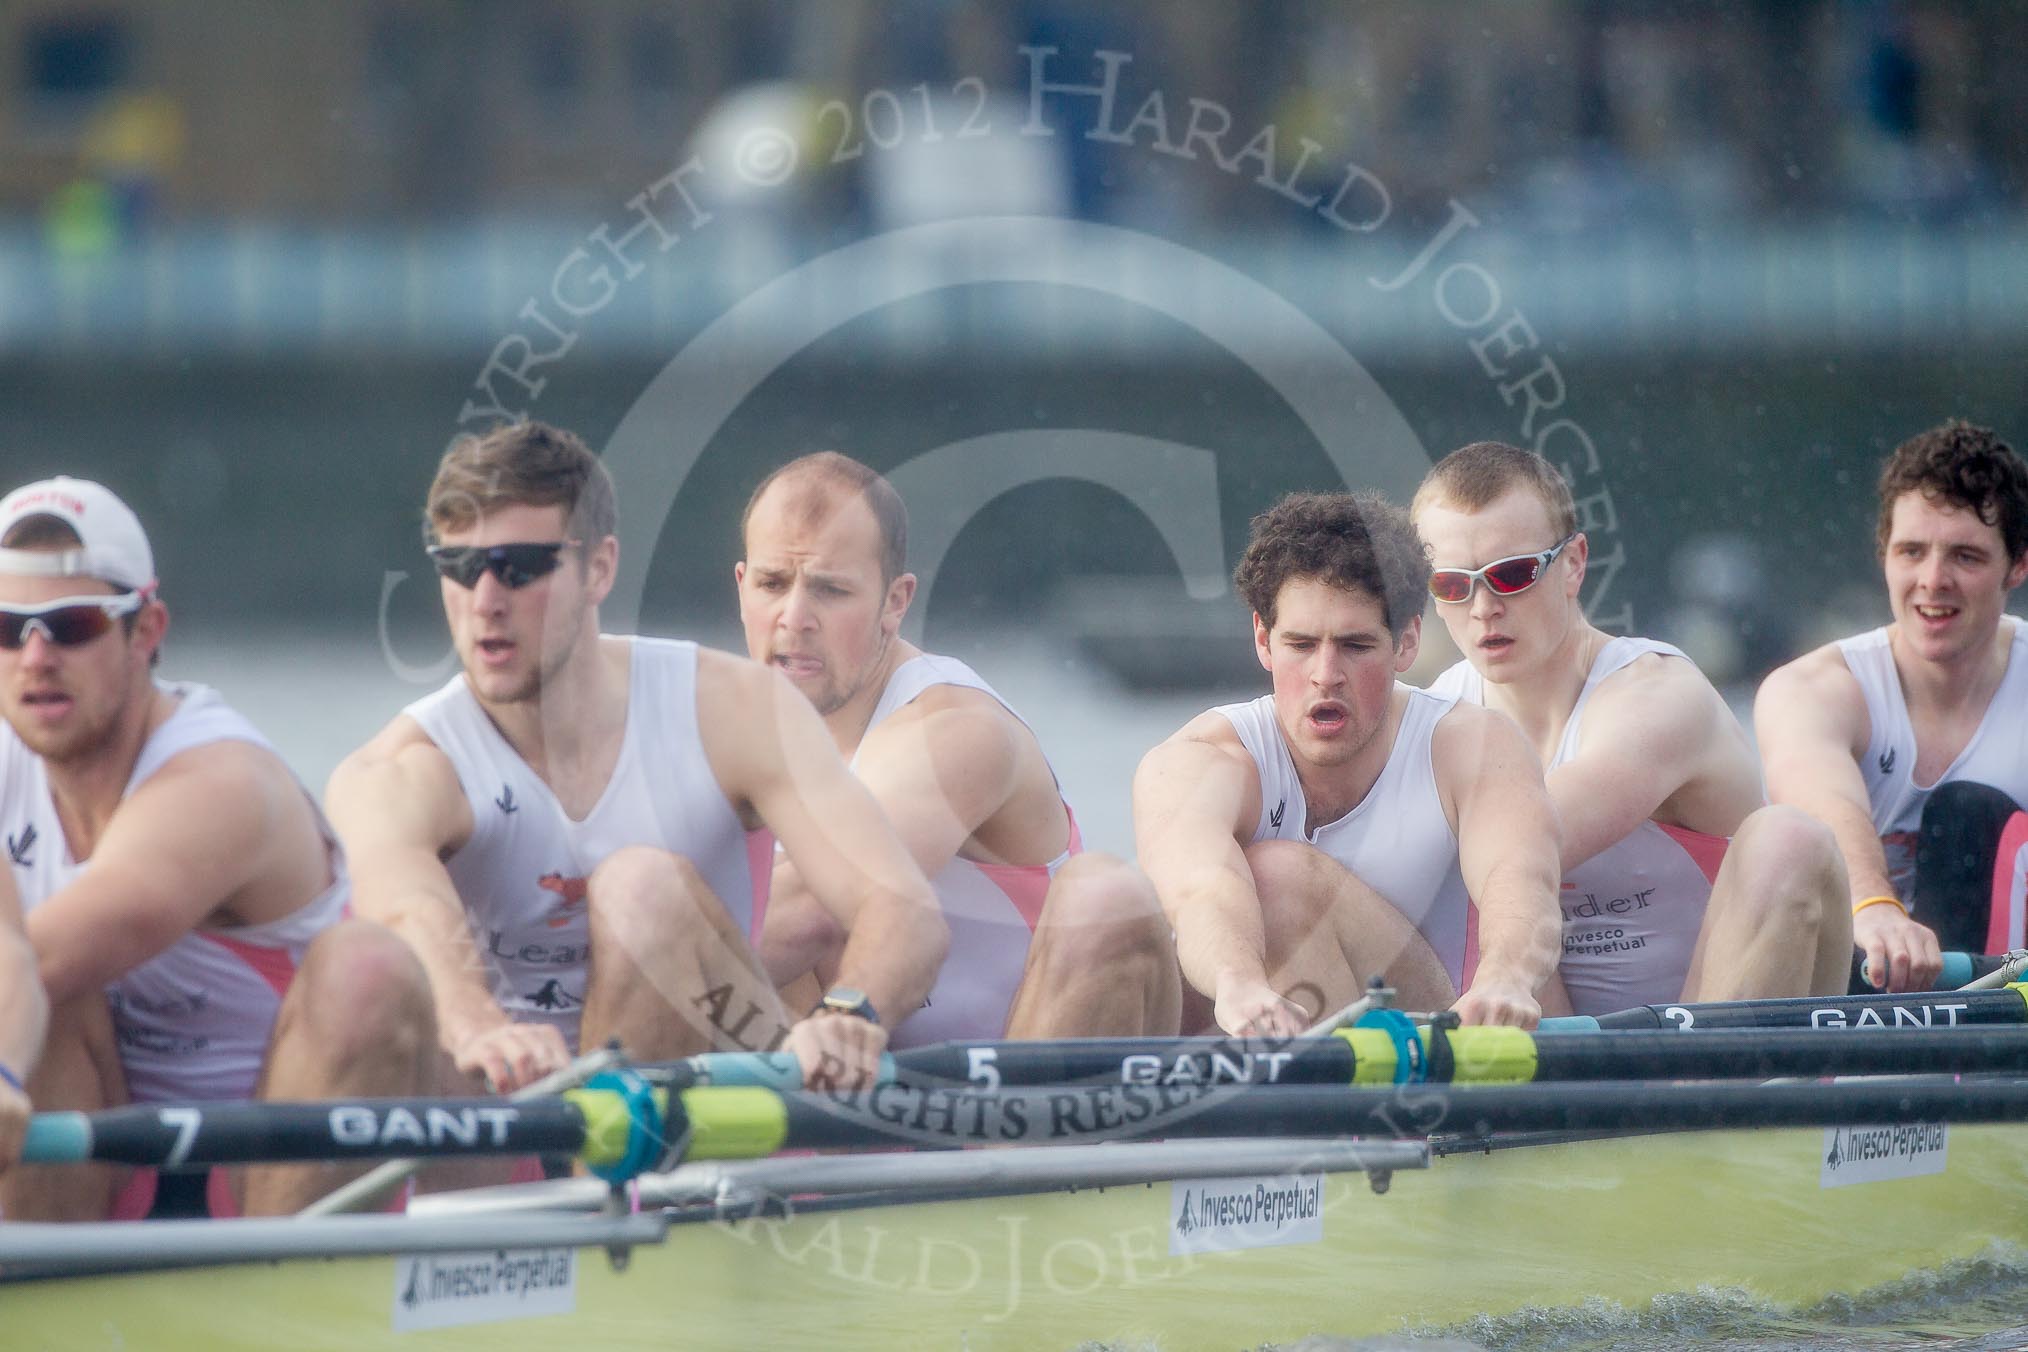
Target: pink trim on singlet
[(272, 965), (137, 1196), (2006, 923), (1705, 851), (760, 871), (1027, 885)]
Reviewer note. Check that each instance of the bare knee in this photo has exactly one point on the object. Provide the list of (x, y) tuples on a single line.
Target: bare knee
[(642, 889), (362, 992), (1789, 860), (1105, 911), (1297, 885)]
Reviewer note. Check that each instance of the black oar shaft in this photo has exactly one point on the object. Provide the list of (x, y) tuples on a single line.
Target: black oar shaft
[(1927, 1009), (903, 1114), (1322, 1060), (228, 1133), (1760, 1053)]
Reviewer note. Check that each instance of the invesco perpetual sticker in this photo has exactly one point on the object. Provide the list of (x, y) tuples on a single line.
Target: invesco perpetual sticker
[(1213, 1215), (442, 1290), (1872, 1154)]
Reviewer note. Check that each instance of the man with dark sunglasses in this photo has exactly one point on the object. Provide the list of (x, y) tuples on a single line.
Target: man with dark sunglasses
[(1911, 740), (576, 832), (185, 899), (1679, 883), (1047, 939), (1347, 825)]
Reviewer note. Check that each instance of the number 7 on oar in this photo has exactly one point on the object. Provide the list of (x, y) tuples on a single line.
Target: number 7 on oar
[(186, 1121)]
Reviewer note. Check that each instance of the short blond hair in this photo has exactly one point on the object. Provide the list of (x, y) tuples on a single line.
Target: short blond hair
[(1474, 477)]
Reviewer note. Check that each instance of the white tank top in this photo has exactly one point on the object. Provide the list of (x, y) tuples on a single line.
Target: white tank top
[(1633, 911), (992, 908), (1397, 840), (193, 1022), (522, 874), (1997, 755)]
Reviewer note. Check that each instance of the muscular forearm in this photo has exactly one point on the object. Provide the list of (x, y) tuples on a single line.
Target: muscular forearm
[(893, 956), (24, 1007), (460, 984), (1852, 827), (1519, 928), (1219, 934)]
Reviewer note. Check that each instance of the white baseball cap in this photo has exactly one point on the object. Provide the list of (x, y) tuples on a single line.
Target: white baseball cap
[(113, 547)]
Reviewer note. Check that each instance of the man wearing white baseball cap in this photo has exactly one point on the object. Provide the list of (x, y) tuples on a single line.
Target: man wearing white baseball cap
[(184, 897)]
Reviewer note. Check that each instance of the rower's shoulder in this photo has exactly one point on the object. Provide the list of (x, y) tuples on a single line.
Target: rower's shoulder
[(396, 769), (1819, 677), (950, 718), (1658, 690)]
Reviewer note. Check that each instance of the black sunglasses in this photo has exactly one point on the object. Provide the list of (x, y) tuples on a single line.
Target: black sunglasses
[(515, 565)]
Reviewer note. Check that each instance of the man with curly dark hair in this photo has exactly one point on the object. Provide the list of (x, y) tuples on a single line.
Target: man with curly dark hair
[(1348, 825), (1911, 741)]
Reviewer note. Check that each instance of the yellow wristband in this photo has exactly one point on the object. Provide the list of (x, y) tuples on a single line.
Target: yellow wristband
[(1895, 902)]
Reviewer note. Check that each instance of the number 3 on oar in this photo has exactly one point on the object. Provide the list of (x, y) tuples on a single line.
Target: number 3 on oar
[(186, 1121)]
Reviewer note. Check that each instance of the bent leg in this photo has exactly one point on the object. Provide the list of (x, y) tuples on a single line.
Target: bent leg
[(358, 1021), (1327, 932), (671, 974), (79, 1071), (1102, 962), (1779, 922)]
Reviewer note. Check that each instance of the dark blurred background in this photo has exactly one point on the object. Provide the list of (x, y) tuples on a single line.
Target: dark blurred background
[(259, 263)]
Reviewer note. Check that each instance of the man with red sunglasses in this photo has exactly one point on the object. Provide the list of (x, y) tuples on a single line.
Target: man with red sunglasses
[(1679, 883), (576, 832), (1347, 825), (1911, 740), (184, 897)]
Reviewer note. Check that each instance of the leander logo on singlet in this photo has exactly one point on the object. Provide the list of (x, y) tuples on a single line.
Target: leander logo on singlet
[(505, 802), (572, 891), (1886, 761), (20, 847)]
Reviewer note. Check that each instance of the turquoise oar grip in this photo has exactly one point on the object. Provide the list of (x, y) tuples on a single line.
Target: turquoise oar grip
[(1569, 1023), (58, 1138), (769, 1070), (1958, 970)]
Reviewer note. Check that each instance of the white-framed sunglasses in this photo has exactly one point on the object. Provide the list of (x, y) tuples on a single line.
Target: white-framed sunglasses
[(1505, 577)]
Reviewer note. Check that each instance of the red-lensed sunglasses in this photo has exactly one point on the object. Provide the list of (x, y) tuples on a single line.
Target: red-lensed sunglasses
[(67, 622), (1506, 577)]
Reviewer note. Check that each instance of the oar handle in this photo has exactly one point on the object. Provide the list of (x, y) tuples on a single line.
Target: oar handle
[(58, 1138), (1959, 969)]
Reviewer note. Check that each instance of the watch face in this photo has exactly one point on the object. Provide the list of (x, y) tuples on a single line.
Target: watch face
[(846, 1000)]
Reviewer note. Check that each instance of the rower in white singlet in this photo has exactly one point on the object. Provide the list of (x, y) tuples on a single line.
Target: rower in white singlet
[(1679, 883), (193, 1022), (525, 868), (1397, 840), (1911, 741), (1995, 755), (992, 908), (1047, 939), (1633, 911), (186, 900), (1348, 826)]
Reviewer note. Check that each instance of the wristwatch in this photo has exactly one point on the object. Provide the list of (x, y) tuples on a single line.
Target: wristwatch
[(845, 1000)]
